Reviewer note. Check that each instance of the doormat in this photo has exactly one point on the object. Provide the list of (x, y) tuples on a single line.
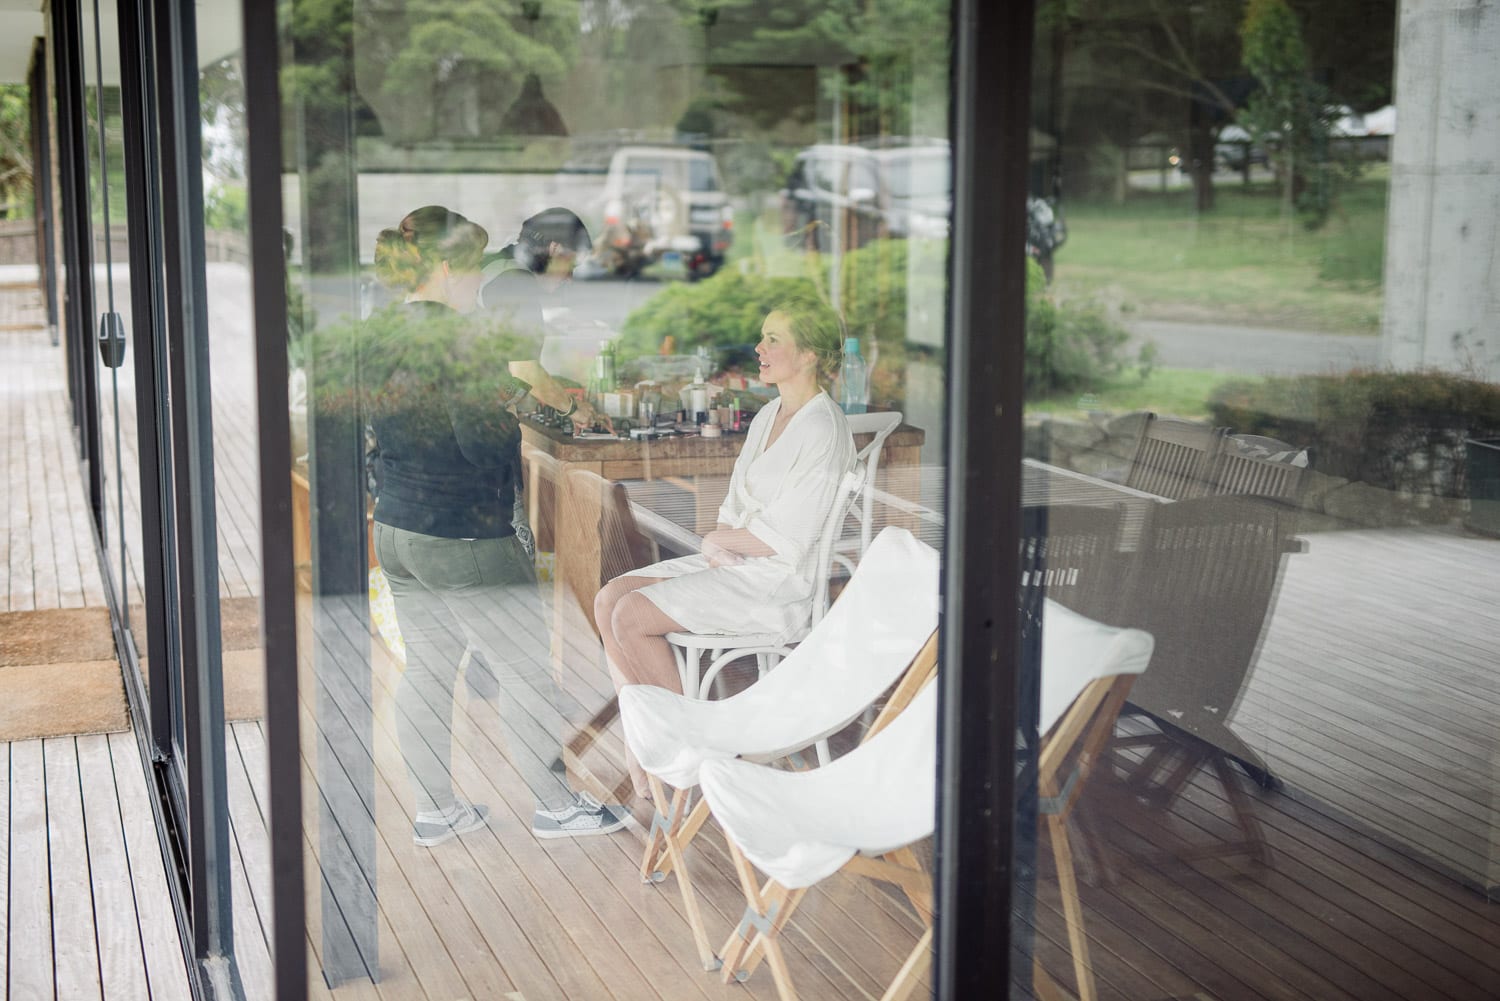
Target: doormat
[(59, 675)]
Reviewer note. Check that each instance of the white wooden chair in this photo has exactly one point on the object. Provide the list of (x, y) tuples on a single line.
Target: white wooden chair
[(724, 649), (884, 622), (847, 550)]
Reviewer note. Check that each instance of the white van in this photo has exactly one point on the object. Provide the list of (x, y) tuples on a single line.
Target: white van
[(661, 201)]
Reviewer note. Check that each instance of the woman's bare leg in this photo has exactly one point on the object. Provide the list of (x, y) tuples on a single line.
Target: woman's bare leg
[(605, 603), (604, 614), (645, 657)]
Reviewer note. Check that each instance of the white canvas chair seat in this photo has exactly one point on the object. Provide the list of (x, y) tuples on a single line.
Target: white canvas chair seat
[(801, 827), (688, 648), (885, 619), (854, 654)]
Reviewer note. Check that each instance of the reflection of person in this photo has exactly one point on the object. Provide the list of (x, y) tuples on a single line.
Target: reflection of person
[(756, 570), (517, 278), (445, 524)]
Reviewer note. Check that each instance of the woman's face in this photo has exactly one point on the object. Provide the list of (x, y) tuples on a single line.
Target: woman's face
[(781, 360)]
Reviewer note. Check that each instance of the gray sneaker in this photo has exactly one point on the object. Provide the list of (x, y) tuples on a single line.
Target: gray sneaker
[(585, 816), (433, 828)]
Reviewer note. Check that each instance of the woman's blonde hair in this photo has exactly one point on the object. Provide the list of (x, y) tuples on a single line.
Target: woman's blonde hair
[(815, 327), (407, 255)]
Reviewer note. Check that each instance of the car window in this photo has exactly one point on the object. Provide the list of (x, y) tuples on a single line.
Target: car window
[(701, 175), (919, 176), (653, 170), (862, 175), (825, 174)]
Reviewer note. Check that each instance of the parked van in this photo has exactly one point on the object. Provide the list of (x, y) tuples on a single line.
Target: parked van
[(661, 201)]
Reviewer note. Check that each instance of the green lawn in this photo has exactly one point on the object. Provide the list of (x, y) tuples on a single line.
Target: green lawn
[(1178, 391), (1156, 257)]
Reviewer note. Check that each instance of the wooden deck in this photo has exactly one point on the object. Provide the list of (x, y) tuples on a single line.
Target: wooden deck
[(48, 556), (87, 913)]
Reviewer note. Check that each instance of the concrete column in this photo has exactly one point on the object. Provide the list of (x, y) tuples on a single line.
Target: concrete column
[(1442, 254)]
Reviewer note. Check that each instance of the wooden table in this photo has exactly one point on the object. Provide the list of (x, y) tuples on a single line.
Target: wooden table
[(571, 520)]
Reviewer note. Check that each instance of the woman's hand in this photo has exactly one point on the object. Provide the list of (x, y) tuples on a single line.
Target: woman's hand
[(586, 418), (717, 554)]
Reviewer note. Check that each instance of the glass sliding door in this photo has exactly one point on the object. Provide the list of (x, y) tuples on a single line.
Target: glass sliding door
[(111, 327), (660, 226), (1261, 370)]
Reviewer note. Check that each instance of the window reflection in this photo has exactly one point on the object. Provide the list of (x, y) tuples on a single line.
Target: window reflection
[(562, 322), (1238, 351)]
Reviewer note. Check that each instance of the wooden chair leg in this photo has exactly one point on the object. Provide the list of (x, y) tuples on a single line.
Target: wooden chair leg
[(662, 826), (1244, 813), (1067, 885), (673, 849), (685, 832), (782, 902), (738, 942), (767, 911)]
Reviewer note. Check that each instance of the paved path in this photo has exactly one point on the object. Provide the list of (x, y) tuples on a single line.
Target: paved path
[(1255, 350)]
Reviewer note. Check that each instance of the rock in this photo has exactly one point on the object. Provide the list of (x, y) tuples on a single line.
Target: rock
[(1368, 507)]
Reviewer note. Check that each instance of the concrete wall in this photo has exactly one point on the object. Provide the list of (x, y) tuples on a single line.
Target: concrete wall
[(1442, 267)]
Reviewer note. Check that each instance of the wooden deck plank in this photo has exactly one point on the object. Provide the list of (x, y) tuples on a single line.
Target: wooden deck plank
[(22, 593), (464, 747), (31, 966), (494, 890), (121, 960), (63, 489), (76, 948), (1335, 916), (40, 503), (249, 851), (166, 970), (518, 801)]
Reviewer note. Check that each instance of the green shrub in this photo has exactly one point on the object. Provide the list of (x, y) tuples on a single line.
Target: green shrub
[(723, 311), (1400, 431), (1070, 347)]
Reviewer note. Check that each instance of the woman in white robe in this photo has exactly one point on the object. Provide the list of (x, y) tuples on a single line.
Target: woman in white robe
[(756, 570)]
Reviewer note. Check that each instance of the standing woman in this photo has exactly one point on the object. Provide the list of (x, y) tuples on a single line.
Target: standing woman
[(440, 393), (756, 570)]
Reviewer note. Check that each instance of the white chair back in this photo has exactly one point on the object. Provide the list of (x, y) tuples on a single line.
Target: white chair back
[(880, 424)]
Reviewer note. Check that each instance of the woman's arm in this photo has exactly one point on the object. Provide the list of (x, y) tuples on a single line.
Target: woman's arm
[(550, 393)]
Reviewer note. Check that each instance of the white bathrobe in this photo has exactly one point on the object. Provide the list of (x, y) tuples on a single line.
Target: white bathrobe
[(782, 494)]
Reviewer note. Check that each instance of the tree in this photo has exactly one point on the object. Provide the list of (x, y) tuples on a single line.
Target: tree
[(15, 150), (1289, 114), (1134, 66)]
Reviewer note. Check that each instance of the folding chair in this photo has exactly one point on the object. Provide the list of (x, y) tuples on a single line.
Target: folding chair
[(883, 626), (1174, 457), (860, 812), (724, 649)]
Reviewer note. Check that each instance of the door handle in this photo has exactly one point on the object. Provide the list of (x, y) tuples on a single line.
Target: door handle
[(112, 339)]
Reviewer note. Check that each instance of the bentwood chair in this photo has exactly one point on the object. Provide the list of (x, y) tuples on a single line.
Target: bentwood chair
[(724, 649), (879, 425)]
